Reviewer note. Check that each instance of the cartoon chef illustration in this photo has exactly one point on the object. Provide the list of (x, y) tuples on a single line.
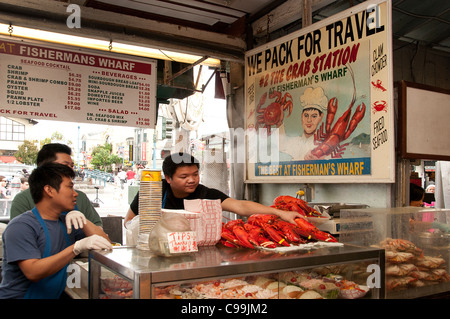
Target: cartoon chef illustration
[(314, 104)]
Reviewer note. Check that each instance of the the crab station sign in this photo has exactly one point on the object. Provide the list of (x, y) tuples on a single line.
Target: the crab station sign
[(320, 101)]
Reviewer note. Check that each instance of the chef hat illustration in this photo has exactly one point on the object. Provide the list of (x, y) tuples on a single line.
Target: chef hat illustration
[(314, 98)]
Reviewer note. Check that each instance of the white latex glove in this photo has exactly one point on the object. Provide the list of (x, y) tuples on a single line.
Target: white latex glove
[(91, 242), (75, 218)]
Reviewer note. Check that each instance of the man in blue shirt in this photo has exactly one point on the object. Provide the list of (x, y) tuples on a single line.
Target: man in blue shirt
[(39, 244), (57, 153)]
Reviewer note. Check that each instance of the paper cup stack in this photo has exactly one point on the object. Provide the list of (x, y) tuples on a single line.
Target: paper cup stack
[(150, 192)]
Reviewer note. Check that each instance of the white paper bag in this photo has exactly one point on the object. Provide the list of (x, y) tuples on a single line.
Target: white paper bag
[(208, 227)]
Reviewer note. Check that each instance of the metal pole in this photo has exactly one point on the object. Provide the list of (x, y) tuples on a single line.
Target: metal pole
[(154, 149), (78, 148)]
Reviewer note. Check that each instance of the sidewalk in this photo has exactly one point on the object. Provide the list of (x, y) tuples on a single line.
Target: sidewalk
[(112, 199)]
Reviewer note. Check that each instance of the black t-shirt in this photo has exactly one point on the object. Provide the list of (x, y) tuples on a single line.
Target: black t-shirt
[(171, 202)]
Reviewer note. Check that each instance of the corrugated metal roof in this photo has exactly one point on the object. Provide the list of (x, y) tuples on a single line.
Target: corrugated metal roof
[(425, 22)]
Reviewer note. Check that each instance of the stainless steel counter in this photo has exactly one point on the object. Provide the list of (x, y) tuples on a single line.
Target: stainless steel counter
[(144, 269)]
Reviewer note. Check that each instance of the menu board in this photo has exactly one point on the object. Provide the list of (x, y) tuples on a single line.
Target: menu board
[(41, 81)]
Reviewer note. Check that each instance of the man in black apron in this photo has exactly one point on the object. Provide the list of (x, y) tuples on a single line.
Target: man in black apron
[(39, 244)]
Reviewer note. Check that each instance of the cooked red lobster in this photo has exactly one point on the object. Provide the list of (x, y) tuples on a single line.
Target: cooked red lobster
[(263, 230), (290, 203)]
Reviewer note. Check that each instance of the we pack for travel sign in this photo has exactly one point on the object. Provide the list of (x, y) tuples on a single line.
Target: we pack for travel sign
[(320, 101), (41, 81)]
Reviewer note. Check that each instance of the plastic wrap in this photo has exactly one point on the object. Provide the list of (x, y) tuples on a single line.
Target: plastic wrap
[(158, 241)]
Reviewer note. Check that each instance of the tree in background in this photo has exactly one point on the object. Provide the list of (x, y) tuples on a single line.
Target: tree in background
[(27, 153), (56, 137), (103, 159)]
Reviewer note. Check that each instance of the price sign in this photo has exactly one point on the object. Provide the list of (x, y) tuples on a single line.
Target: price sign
[(43, 81), (182, 242)]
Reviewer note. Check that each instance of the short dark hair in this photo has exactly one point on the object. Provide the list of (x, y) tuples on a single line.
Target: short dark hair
[(51, 174), (416, 192), (48, 152), (175, 160)]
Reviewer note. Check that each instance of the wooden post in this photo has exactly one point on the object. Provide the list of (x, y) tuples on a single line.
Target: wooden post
[(307, 15)]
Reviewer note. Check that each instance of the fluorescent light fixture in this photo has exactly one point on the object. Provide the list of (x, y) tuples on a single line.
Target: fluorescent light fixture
[(54, 37), (160, 54), (103, 45)]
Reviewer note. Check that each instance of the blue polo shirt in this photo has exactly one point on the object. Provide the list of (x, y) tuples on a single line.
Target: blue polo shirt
[(24, 239)]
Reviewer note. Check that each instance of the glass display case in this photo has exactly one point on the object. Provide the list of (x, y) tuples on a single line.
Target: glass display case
[(417, 244), (341, 271)]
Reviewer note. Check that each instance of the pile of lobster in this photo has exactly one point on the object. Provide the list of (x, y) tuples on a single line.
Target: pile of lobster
[(285, 202), (269, 231)]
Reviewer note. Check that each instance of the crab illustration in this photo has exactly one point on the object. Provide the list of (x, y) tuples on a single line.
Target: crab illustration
[(273, 114)]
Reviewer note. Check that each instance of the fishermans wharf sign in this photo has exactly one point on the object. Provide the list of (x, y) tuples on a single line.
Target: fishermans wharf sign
[(42, 81)]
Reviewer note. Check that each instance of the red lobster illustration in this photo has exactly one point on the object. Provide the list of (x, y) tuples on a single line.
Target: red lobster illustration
[(273, 114), (378, 85), (329, 142)]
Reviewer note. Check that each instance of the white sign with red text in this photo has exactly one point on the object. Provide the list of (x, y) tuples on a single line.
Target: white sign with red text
[(41, 81), (182, 242), (320, 101)]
